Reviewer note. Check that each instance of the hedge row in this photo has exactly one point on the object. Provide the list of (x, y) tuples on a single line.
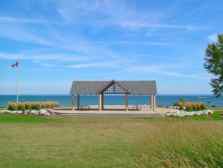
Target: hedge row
[(31, 105), (190, 106)]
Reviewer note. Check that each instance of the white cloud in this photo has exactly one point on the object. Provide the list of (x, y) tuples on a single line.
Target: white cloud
[(21, 33), (165, 70), (116, 13), (137, 24), (121, 64), (9, 19), (41, 57), (64, 60), (129, 42), (55, 39), (90, 54), (93, 65)]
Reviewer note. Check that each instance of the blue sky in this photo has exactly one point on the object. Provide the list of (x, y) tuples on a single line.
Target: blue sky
[(58, 41)]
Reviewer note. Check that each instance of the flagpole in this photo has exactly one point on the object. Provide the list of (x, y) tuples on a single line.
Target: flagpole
[(17, 83)]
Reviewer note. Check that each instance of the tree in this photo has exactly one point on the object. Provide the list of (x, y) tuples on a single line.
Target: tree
[(214, 64)]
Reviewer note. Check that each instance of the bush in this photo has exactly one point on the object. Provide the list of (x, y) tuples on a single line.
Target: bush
[(190, 106), (36, 106), (31, 105), (49, 104), (21, 107), (197, 107), (12, 106), (28, 106), (203, 106)]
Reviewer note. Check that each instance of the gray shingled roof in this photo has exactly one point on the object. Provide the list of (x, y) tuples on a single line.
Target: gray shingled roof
[(95, 87)]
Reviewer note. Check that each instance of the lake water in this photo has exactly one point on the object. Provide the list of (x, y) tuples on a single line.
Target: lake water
[(162, 100)]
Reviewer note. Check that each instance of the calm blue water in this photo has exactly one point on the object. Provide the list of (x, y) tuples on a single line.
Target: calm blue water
[(65, 100)]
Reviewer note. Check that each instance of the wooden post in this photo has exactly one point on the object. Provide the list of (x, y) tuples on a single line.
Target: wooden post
[(154, 103), (72, 102), (151, 102), (78, 102), (101, 102), (126, 102)]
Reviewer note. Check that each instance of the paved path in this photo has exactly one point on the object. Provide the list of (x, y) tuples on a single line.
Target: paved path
[(108, 113)]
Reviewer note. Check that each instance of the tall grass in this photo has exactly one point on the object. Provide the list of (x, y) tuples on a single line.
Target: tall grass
[(183, 144), (101, 142)]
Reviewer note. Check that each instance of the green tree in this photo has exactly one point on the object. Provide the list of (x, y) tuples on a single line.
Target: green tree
[(214, 64)]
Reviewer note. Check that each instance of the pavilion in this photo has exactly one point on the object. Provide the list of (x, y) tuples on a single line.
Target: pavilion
[(102, 88)]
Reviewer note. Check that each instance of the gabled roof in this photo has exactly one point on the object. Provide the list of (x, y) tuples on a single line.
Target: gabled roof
[(143, 87), (115, 84)]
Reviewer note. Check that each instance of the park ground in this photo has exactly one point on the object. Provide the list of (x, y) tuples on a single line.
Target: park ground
[(110, 142)]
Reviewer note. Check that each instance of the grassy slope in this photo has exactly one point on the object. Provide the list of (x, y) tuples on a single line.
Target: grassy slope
[(97, 142)]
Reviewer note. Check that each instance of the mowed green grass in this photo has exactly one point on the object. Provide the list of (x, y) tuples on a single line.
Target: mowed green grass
[(110, 142)]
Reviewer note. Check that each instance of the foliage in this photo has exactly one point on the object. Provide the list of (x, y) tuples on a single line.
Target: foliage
[(31, 105), (190, 106), (35, 106), (214, 64), (28, 106), (12, 106), (21, 107)]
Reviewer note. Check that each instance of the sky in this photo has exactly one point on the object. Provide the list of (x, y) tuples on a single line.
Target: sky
[(58, 41)]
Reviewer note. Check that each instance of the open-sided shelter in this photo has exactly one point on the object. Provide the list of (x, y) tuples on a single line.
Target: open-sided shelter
[(101, 88)]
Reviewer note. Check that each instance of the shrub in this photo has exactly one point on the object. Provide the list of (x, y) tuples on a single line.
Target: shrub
[(31, 105), (21, 106), (36, 106), (190, 106), (12, 106), (28, 106), (198, 107), (203, 106), (49, 104)]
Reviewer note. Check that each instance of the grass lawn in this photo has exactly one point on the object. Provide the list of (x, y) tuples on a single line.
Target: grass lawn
[(96, 142)]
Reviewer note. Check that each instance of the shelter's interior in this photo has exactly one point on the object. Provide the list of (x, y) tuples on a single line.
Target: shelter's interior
[(111, 88)]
